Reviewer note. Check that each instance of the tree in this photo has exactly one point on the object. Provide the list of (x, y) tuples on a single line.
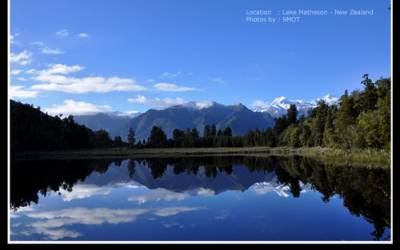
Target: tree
[(178, 136), (157, 137), (194, 134), (292, 114), (207, 131), (118, 141), (281, 124), (227, 131), (131, 138), (213, 130), (370, 95)]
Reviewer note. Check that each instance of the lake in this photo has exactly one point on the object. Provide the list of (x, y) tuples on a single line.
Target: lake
[(227, 198)]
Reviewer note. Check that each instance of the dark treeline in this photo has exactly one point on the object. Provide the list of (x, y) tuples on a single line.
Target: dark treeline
[(360, 120), (190, 138), (31, 129)]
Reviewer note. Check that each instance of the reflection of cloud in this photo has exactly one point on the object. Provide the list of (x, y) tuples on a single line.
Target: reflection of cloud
[(82, 191), (205, 192), (57, 234), (94, 216), (169, 211), (159, 194), (19, 210), (51, 223)]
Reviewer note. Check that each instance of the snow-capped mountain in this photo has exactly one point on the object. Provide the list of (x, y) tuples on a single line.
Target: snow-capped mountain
[(280, 105)]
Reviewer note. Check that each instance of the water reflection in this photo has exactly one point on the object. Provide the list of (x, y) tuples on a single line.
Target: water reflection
[(365, 192)]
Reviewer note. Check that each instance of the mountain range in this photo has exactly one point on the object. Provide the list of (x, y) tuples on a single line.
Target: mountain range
[(196, 115), (280, 105)]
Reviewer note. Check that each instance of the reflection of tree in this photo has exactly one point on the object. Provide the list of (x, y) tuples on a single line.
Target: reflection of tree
[(118, 162), (30, 178), (131, 168), (365, 192), (157, 166), (210, 171)]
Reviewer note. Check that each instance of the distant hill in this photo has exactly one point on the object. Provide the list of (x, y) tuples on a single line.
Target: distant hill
[(197, 115), (114, 123), (238, 117), (188, 115)]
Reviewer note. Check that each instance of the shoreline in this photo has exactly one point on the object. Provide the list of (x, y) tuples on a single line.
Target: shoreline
[(367, 157)]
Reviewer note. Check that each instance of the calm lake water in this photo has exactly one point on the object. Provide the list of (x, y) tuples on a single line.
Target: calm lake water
[(199, 198)]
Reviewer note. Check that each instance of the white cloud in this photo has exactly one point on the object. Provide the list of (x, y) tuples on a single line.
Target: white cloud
[(157, 102), (170, 87), (83, 35), (21, 79), (170, 74), (50, 51), (204, 104), (62, 33), (86, 84), (31, 71), (12, 38), (19, 92), (16, 72), (37, 43), (60, 69), (77, 108), (130, 113), (22, 58), (54, 79)]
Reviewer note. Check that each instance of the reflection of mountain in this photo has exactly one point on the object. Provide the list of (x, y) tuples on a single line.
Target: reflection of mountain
[(365, 192), (240, 179)]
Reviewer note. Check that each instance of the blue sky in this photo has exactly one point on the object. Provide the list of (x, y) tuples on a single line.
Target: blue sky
[(131, 55)]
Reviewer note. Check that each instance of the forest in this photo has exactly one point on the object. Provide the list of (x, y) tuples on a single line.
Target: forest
[(33, 130), (360, 120)]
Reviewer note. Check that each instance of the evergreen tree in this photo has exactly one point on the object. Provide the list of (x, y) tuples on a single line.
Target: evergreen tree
[(157, 138), (207, 131), (131, 138), (292, 114), (227, 131), (213, 130)]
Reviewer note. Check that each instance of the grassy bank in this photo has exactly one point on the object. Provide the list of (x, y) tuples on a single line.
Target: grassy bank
[(373, 158)]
